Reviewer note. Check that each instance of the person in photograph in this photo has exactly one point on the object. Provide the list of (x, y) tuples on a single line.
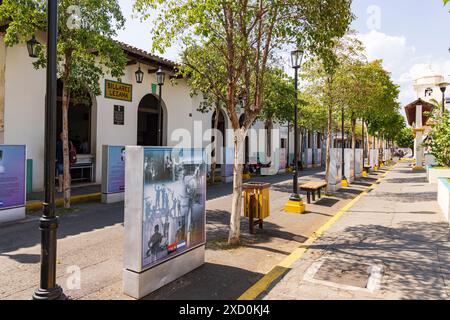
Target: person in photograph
[(157, 196), (154, 245), (122, 154), (168, 166)]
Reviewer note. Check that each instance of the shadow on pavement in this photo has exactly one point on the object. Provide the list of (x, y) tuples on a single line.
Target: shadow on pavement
[(414, 255), (327, 202), (83, 218), (209, 282), (217, 233)]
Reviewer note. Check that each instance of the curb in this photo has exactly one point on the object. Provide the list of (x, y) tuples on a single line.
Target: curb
[(284, 266), (36, 205)]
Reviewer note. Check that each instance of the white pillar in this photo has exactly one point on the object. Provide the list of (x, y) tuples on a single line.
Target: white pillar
[(419, 152)]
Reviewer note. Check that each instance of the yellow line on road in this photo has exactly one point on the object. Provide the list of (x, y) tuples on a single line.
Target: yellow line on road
[(284, 266)]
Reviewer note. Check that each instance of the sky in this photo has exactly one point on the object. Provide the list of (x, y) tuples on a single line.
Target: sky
[(411, 36)]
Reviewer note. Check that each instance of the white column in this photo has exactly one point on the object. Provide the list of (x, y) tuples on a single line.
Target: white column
[(419, 153)]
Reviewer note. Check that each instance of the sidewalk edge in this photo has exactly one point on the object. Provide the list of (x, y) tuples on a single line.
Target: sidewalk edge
[(36, 205), (281, 268)]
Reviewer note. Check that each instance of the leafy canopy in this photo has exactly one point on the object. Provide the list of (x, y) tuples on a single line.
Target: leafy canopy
[(86, 50)]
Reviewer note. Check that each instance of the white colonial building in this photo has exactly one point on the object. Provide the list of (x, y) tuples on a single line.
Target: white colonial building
[(428, 86), (108, 120)]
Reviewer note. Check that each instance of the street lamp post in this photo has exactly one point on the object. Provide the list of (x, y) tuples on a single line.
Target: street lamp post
[(160, 77), (295, 203), (48, 289), (443, 86)]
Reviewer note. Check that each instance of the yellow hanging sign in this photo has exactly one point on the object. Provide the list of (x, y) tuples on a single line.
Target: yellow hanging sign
[(118, 91)]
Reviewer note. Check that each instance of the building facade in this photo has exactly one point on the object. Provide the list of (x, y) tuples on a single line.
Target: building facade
[(109, 120)]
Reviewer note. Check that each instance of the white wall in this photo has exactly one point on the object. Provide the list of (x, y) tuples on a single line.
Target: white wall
[(25, 108), (25, 111)]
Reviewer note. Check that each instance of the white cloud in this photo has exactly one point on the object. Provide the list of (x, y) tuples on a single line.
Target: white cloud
[(401, 59), (394, 50)]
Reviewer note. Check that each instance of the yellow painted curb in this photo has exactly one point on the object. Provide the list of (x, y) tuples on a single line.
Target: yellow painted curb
[(37, 204), (264, 283)]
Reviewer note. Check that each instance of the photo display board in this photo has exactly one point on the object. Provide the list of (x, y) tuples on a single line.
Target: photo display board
[(12, 176), (116, 169), (174, 210)]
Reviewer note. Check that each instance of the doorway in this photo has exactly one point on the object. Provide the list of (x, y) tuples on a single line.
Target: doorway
[(80, 124), (221, 143), (147, 129)]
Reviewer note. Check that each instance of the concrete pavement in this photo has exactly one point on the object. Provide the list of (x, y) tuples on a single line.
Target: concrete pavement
[(392, 244), (90, 240)]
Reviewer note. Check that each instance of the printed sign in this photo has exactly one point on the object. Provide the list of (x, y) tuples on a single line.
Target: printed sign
[(118, 90), (116, 169), (119, 115), (174, 203), (12, 176)]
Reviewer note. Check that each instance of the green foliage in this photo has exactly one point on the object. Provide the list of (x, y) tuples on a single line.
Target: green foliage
[(405, 138), (279, 97), (236, 41), (439, 139), (86, 50)]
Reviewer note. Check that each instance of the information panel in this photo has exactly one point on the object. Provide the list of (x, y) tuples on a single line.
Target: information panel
[(116, 169), (12, 176), (174, 203)]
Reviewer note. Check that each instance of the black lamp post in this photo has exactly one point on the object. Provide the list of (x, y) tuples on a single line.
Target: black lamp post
[(296, 61), (32, 47), (48, 289), (443, 86), (160, 78), (139, 75)]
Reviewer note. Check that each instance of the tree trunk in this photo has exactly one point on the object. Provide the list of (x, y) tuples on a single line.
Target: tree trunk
[(65, 139), (214, 146), (236, 205), (354, 147), (329, 141)]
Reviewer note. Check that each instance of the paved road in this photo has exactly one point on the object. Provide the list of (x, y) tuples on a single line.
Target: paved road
[(90, 237), (393, 244)]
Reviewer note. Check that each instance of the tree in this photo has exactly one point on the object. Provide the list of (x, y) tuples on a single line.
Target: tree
[(327, 80), (86, 50), (439, 139), (246, 34), (405, 138)]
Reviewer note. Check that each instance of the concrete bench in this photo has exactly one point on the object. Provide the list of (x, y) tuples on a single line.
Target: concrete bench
[(312, 188)]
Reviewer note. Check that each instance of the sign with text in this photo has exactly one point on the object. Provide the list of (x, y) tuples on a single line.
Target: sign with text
[(116, 169), (12, 176), (119, 115), (174, 203), (118, 90)]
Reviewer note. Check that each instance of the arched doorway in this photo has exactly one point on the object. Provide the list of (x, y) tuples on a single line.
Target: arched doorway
[(247, 141), (147, 129), (221, 143), (80, 116), (81, 126)]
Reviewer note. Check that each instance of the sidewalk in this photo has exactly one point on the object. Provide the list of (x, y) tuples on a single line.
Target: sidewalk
[(392, 244), (90, 237)]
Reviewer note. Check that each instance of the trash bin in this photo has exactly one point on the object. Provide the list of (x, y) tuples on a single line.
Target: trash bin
[(260, 193)]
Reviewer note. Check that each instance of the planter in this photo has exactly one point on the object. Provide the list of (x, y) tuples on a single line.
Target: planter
[(434, 173), (444, 196)]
